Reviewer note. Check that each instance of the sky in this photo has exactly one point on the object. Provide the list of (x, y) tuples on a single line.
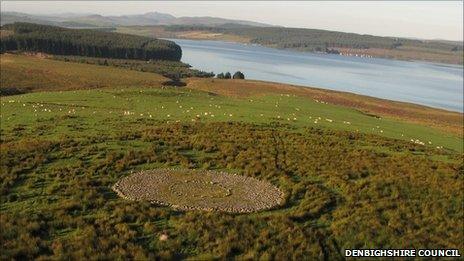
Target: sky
[(415, 19)]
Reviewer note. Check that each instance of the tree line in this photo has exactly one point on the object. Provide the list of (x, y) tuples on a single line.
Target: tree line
[(174, 70), (86, 42), (227, 75), (315, 40)]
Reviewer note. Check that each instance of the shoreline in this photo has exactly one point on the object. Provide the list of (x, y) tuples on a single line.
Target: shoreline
[(441, 119), (442, 104), (437, 118), (225, 40)]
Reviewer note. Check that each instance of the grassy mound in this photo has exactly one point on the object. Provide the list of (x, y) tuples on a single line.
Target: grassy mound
[(29, 74), (200, 190)]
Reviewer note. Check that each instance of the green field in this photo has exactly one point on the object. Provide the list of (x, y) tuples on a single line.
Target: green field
[(350, 179), (90, 107)]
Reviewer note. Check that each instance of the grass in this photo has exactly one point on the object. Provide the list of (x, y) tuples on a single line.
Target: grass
[(347, 185), (86, 111), (447, 121), (410, 53), (341, 189), (29, 73), (161, 32)]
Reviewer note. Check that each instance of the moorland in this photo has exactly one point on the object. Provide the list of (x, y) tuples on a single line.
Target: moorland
[(355, 171)]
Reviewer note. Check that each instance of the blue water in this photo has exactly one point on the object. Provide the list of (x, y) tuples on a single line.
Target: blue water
[(434, 85)]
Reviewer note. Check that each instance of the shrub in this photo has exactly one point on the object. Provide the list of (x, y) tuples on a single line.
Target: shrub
[(238, 75)]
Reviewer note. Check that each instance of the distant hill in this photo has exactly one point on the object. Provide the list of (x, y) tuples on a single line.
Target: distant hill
[(161, 25), (315, 40), (13, 17), (95, 20)]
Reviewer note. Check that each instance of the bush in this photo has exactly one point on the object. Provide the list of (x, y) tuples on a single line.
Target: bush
[(5, 91), (238, 75)]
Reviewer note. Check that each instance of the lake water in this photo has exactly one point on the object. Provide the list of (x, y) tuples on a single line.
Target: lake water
[(435, 85)]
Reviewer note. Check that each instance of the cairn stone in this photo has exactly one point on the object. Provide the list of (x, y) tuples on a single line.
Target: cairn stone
[(186, 189)]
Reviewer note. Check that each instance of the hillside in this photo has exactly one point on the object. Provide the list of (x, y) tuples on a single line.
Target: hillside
[(446, 121), (160, 25), (349, 179), (342, 43), (84, 42), (32, 74), (21, 74), (312, 40)]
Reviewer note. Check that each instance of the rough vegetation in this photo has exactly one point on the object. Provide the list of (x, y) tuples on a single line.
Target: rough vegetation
[(343, 190), (350, 180), (169, 69), (85, 42), (185, 189)]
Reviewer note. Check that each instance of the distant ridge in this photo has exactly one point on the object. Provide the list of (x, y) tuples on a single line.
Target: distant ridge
[(96, 20)]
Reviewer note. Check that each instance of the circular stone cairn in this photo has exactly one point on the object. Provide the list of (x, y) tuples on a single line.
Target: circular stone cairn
[(185, 189)]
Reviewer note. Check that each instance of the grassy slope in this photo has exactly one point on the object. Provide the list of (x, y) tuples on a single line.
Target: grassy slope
[(409, 53), (344, 191), (38, 74), (451, 122), (63, 150), (94, 106), (245, 100), (159, 31)]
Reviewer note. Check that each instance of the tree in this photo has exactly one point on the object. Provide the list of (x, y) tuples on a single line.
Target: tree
[(86, 42), (238, 75), (227, 75), (220, 76)]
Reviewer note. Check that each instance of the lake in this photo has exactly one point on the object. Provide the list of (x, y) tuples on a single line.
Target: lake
[(434, 85)]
